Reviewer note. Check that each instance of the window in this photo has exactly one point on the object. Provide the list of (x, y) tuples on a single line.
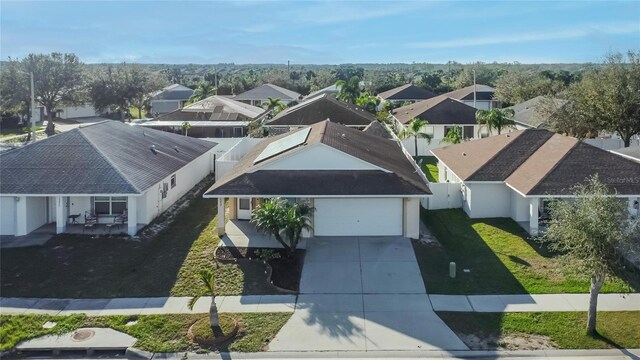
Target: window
[(468, 132), (244, 204), (173, 181), (110, 205), (237, 132)]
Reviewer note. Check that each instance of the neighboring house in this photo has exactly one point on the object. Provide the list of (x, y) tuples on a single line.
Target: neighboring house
[(318, 109), (171, 98), (76, 111), (527, 114), (379, 129), (216, 116), (442, 113), (358, 184), (329, 90), (482, 94), (513, 175), (103, 169), (632, 153), (262, 93), (404, 93)]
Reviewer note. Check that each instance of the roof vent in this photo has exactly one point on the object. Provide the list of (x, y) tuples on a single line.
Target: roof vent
[(464, 154), (153, 149), (176, 149)]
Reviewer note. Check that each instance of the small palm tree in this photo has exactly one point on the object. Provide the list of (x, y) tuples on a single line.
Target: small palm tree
[(368, 102), (349, 90), (203, 91), (495, 119), (207, 279), (282, 220), (185, 127), (453, 136), (414, 129)]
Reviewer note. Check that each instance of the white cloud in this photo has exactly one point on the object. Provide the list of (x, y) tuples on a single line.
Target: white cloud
[(567, 34)]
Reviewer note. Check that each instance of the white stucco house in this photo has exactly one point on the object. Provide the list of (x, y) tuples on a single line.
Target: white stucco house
[(259, 95), (514, 174), (171, 98), (479, 96), (359, 184), (108, 171), (405, 93)]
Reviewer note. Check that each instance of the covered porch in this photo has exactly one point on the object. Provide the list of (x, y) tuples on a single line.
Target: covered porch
[(45, 232), (242, 233)]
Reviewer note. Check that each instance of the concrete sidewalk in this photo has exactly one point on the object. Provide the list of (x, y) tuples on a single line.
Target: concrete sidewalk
[(146, 306), (533, 303), (287, 303)]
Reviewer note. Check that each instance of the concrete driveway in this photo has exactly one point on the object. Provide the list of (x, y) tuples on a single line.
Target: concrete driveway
[(363, 294)]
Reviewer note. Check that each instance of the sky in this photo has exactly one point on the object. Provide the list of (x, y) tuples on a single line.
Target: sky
[(320, 32)]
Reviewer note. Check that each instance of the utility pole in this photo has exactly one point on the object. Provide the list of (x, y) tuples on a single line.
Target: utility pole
[(474, 88), (215, 79), (33, 110), (288, 70)]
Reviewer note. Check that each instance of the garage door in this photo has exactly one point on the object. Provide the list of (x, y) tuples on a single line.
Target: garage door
[(7, 215), (358, 216)]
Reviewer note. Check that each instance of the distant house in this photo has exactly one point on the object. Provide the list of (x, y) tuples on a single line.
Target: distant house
[(171, 98), (405, 93), (262, 93), (216, 116), (515, 174), (527, 114), (632, 153), (329, 90), (442, 113), (318, 109), (108, 172), (358, 184), (482, 94)]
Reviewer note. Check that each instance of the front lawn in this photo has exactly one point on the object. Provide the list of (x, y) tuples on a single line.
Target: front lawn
[(564, 330), (134, 113), (500, 259), (429, 167), (155, 333), (81, 266)]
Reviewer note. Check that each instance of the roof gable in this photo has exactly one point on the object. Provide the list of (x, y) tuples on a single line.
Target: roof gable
[(321, 108), (265, 91), (483, 92), (407, 92), (440, 110), (221, 104), (173, 92)]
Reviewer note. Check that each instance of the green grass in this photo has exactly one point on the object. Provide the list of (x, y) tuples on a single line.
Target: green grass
[(134, 113), (500, 258), (14, 132), (566, 329), (156, 333), (79, 266), (429, 167)]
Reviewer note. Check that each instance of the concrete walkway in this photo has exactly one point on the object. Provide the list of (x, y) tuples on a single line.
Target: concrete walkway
[(146, 306)]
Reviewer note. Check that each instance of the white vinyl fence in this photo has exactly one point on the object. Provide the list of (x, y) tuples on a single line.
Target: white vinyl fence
[(445, 196)]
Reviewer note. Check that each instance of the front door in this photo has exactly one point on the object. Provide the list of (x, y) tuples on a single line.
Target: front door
[(244, 208)]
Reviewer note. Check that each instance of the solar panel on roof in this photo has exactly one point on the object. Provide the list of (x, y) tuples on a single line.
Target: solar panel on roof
[(284, 144)]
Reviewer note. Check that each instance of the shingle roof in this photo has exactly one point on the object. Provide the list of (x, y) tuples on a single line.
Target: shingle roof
[(440, 110), (321, 108), (173, 92), (263, 92), (483, 92), (387, 155), (221, 104), (105, 158), (526, 113), (539, 162), (378, 129), (632, 152), (407, 92)]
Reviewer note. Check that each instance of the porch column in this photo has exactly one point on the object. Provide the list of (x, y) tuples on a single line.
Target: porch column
[(233, 208), (132, 215), (61, 219), (21, 215), (534, 204), (411, 218), (221, 214)]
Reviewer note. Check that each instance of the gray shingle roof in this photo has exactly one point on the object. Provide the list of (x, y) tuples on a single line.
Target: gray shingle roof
[(483, 92), (321, 108), (263, 92), (527, 112), (105, 158), (440, 110), (173, 92), (378, 129), (407, 92)]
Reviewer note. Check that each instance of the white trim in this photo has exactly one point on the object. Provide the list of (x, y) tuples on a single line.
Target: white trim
[(625, 156), (111, 194)]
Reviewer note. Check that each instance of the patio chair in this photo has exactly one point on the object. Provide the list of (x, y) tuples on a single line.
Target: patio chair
[(121, 219), (90, 221)]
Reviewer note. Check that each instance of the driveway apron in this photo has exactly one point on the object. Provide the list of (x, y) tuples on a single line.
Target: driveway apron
[(363, 293)]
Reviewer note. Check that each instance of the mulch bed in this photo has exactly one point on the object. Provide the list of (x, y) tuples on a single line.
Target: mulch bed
[(285, 271)]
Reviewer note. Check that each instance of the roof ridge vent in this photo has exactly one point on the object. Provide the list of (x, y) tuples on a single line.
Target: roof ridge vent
[(153, 149)]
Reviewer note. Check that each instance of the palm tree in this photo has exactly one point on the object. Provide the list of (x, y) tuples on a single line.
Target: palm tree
[(368, 102), (273, 103), (453, 136), (349, 90), (414, 128), (207, 279), (203, 91), (185, 127), (282, 220), (495, 119)]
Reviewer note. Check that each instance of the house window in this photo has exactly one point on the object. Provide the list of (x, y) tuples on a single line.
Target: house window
[(110, 205), (237, 132), (468, 132), (173, 181)]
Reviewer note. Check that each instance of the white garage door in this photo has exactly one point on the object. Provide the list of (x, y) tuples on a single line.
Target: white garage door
[(358, 216)]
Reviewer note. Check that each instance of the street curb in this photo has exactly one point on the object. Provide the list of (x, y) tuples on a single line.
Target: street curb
[(135, 353)]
